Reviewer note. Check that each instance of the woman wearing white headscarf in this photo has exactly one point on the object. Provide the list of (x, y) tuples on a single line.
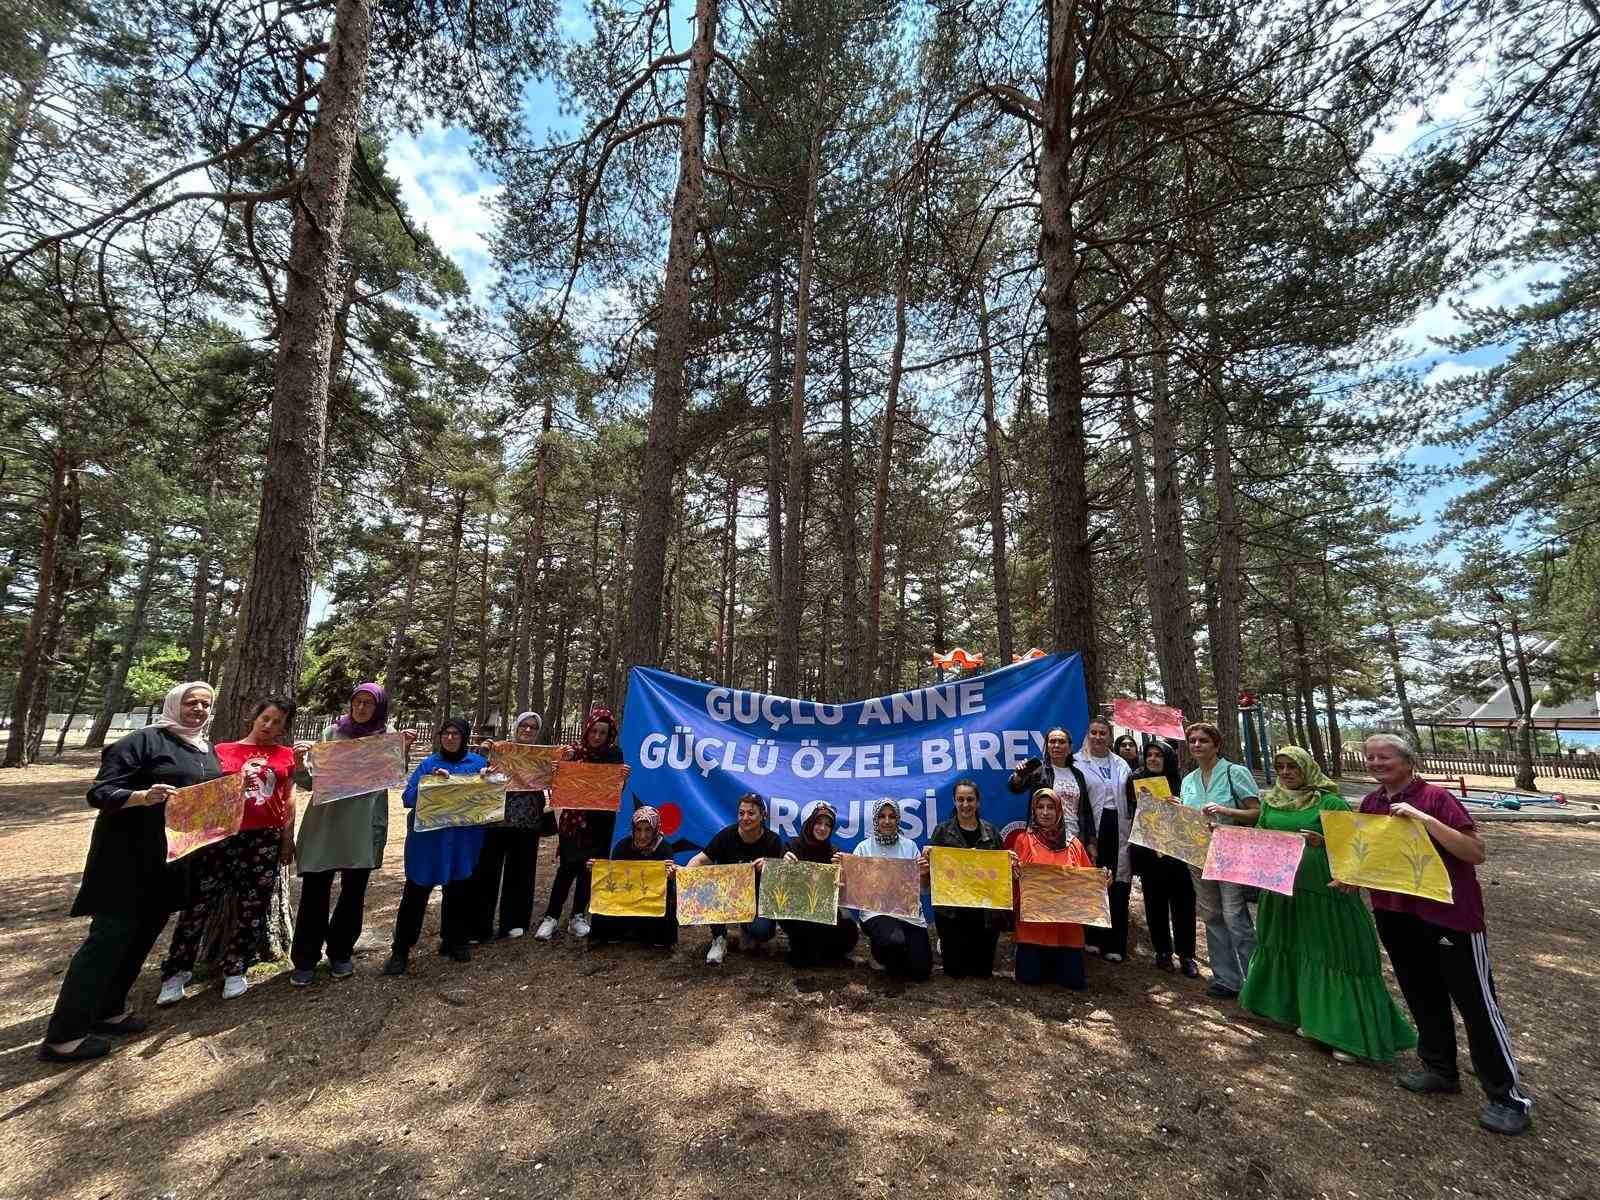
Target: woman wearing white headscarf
[(129, 889), (508, 866)]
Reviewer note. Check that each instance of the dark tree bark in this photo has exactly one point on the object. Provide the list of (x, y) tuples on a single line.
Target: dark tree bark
[(62, 586), (112, 698), (62, 464), (672, 347), (1391, 643), (997, 499), (408, 604), (873, 672), (198, 595), (775, 450), (849, 537), (447, 635), (1225, 647), (482, 712), (277, 600), (1308, 703)]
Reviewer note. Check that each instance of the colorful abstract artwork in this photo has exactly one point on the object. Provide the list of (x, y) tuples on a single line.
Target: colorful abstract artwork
[(594, 786), (628, 888), (204, 813), (970, 878), (1264, 858), (1075, 895), (526, 768), (1153, 788), (1173, 829), (799, 891), (459, 800), (717, 895), (1148, 718), (892, 886), (355, 766), (1389, 854)]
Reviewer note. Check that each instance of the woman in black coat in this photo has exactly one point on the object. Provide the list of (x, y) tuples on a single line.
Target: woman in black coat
[(1061, 775), (1165, 882), (967, 936), (129, 889)]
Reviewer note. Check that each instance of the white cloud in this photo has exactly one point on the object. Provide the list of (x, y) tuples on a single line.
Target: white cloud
[(449, 195), (1449, 369)]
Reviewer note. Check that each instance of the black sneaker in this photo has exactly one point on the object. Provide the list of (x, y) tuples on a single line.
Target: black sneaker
[(1509, 1119), (461, 954), (1191, 969), (1221, 991), (396, 965), (1428, 1081), (89, 1047)]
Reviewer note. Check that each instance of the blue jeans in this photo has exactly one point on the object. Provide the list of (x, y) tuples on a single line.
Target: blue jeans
[(1230, 934)]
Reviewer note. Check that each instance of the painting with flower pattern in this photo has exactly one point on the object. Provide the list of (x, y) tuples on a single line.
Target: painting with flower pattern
[(716, 894), (799, 891), (621, 887)]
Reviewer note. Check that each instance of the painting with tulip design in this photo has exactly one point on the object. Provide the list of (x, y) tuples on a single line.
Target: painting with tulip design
[(799, 891), (1388, 854)]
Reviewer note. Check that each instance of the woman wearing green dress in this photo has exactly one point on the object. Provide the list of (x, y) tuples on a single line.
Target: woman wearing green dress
[(1316, 965)]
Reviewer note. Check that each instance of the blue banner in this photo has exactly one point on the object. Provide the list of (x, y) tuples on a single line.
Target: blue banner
[(694, 748)]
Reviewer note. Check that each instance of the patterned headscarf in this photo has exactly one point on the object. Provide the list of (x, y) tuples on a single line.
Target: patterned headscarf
[(645, 815), (171, 718), (352, 728), (1293, 800), (892, 839), (585, 752), (1053, 836)]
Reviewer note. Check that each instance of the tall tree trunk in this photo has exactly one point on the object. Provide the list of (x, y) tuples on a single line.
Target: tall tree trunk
[(1525, 734), (112, 697), (64, 584), (897, 654), (1145, 520), (447, 636), (533, 582), (730, 522), (558, 670), (997, 500), (788, 676), (1335, 767), (198, 595), (28, 79), (482, 712), (402, 625), (775, 451), (616, 688), (28, 663), (672, 347), (536, 693), (1225, 645), (849, 537), (873, 671), (1391, 641), (1169, 567), (1072, 618), (89, 667), (1302, 668), (277, 600)]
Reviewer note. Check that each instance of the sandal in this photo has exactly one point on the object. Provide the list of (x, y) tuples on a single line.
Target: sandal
[(90, 1047)]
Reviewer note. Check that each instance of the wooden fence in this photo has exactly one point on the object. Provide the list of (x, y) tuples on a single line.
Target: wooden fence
[(1464, 762)]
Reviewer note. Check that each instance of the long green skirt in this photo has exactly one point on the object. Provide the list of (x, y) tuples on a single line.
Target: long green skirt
[(1316, 964)]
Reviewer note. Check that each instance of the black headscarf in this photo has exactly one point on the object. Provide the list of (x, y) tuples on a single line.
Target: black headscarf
[(1169, 767), (809, 848), (458, 723)]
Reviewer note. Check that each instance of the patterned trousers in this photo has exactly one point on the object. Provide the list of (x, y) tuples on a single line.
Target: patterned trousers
[(245, 865)]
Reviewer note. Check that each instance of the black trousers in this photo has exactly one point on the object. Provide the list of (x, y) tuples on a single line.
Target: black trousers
[(1168, 905), (1437, 967), (814, 945), (568, 874), (507, 869), (102, 971), (1115, 939), (902, 948), (967, 941), (454, 914), (315, 929), (652, 931)]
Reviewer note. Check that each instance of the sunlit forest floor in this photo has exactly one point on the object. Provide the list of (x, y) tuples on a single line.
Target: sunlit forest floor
[(564, 1071)]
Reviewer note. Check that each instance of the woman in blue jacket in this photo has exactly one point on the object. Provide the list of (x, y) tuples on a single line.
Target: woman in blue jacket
[(438, 858)]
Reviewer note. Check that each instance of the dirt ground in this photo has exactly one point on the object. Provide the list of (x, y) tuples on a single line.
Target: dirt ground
[(560, 1071)]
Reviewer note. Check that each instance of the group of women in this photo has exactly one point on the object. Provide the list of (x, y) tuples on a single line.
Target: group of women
[(1309, 961)]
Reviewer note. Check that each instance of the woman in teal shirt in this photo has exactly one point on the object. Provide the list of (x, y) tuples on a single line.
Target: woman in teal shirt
[(1227, 792)]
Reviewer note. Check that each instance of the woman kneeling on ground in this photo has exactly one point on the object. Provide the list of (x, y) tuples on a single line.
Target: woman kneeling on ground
[(967, 936), (438, 858), (644, 845), (1049, 951), (899, 944), (810, 944), (747, 840)]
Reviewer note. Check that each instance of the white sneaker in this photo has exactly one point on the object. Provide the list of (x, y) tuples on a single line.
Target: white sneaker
[(1113, 957), (546, 930), (1339, 1056), (718, 951), (580, 925), (516, 933), (234, 986), (172, 989)]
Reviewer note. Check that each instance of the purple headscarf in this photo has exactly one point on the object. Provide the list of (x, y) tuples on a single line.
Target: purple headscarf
[(350, 727)]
